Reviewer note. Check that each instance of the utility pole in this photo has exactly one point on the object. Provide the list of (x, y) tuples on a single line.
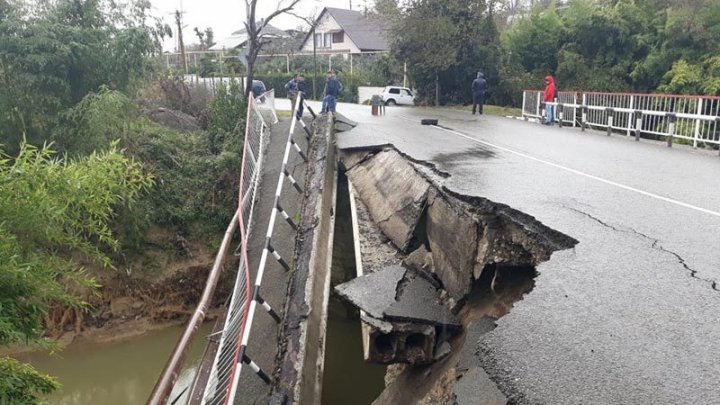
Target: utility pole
[(314, 61), (181, 44)]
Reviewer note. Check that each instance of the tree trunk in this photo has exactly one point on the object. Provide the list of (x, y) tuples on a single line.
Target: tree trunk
[(250, 67), (437, 89)]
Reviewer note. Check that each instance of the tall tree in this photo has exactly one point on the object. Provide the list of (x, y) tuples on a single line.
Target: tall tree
[(254, 29), (445, 44), (52, 56)]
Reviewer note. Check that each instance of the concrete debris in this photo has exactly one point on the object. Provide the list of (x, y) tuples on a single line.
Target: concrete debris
[(343, 123), (420, 260), (373, 292), (350, 159), (453, 237), (442, 351), (418, 303), (379, 324), (394, 193), (407, 343), (402, 326)]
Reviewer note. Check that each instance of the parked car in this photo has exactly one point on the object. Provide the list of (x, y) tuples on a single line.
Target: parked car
[(395, 95)]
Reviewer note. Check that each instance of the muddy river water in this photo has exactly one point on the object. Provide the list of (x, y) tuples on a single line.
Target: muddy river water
[(118, 373)]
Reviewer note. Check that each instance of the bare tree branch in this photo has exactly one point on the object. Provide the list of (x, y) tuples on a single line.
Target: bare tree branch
[(277, 12), (255, 42)]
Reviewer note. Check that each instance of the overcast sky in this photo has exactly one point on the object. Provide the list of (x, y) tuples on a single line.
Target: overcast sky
[(226, 16)]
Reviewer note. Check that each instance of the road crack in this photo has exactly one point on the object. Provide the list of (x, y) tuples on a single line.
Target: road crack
[(655, 244)]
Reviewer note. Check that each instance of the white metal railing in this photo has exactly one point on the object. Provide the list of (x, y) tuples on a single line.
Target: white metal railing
[(222, 386), (266, 103), (694, 119), (251, 166), (238, 309)]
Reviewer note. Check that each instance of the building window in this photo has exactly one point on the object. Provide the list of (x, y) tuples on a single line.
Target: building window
[(339, 37), (323, 40)]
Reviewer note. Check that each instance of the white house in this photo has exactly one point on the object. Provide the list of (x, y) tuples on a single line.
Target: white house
[(340, 31)]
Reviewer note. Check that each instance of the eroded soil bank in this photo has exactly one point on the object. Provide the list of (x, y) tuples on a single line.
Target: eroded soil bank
[(153, 292)]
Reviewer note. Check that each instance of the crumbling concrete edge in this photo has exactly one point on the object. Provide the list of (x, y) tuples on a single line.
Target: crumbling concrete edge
[(374, 149), (554, 239), (299, 365)]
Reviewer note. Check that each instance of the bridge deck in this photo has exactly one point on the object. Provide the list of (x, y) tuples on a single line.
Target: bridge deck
[(631, 314)]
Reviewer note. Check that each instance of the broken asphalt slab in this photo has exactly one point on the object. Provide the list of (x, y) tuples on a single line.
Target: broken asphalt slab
[(394, 193), (376, 294), (373, 292), (343, 123), (418, 303)]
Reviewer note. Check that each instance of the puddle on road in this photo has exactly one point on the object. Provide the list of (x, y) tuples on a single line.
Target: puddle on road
[(454, 159)]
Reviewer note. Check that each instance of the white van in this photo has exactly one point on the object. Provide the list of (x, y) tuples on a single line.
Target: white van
[(394, 95)]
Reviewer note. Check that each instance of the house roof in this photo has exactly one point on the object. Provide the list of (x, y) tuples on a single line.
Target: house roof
[(240, 37), (367, 32)]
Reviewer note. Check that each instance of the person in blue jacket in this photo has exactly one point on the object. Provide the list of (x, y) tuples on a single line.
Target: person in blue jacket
[(333, 87)]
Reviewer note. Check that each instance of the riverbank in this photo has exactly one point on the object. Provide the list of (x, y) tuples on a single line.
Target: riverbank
[(161, 291)]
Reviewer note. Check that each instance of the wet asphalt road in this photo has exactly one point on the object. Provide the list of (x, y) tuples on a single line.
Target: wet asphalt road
[(631, 314)]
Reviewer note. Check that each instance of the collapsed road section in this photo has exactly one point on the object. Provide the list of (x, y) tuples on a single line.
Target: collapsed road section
[(436, 268), (433, 271)]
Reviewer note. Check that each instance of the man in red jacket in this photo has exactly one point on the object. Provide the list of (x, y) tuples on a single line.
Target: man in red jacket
[(550, 96)]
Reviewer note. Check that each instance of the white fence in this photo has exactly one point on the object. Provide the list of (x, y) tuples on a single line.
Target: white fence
[(693, 119), (237, 315), (223, 384), (223, 367), (265, 103)]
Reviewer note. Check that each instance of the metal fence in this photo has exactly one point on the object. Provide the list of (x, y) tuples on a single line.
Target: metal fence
[(253, 148), (239, 309), (266, 104), (222, 385), (533, 106), (690, 119)]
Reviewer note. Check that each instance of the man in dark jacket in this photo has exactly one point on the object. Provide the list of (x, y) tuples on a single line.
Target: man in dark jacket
[(479, 87), (296, 86), (333, 87)]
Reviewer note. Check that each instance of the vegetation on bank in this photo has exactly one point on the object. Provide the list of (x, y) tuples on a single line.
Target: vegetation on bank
[(97, 147)]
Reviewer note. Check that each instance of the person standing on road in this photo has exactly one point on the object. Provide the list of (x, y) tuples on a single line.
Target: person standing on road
[(479, 87), (296, 86), (549, 97), (333, 87)]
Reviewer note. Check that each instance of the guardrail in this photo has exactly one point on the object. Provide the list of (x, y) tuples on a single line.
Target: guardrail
[(222, 386), (695, 119), (265, 102), (255, 139)]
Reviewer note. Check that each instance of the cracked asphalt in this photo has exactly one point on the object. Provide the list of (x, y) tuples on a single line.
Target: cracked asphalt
[(632, 313)]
